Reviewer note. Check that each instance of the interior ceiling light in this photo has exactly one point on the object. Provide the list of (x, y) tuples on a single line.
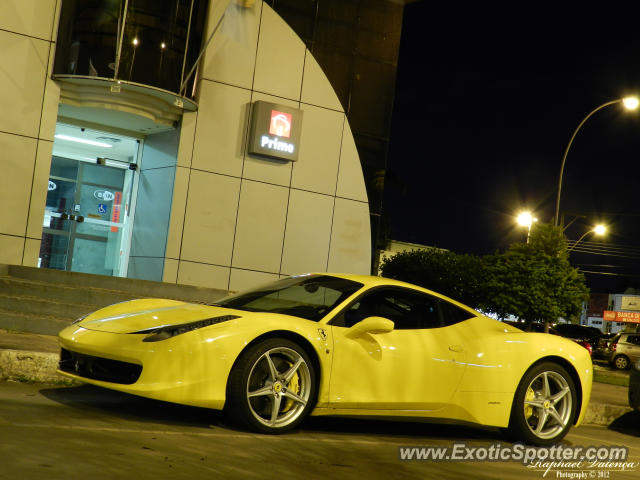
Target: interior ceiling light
[(82, 140)]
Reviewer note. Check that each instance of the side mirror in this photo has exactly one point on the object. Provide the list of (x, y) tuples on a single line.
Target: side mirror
[(370, 325)]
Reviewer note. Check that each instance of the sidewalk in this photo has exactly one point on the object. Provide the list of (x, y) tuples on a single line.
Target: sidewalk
[(34, 358)]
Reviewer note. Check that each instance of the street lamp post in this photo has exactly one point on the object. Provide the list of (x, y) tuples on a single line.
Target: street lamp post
[(629, 103), (598, 230)]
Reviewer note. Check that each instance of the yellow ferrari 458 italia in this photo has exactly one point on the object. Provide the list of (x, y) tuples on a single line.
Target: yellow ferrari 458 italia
[(323, 344)]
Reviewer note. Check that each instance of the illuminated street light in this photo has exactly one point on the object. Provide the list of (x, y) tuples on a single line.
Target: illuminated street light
[(629, 103), (526, 219), (598, 230)]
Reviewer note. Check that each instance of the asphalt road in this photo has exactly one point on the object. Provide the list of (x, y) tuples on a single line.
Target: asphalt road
[(85, 432)]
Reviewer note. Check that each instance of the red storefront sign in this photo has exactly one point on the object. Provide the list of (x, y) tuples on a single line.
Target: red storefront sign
[(628, 317)]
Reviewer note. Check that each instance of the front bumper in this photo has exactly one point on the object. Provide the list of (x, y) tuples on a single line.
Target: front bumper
[(188, 369), (98, 368)]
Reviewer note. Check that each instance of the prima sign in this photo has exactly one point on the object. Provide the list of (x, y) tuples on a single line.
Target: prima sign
[(275, 131), (275, 144)]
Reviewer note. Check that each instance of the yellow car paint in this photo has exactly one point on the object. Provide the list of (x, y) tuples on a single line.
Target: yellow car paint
[(468, 371)]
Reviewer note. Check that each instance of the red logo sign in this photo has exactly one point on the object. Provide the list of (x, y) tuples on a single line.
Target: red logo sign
[(627, 317), (280, 124)]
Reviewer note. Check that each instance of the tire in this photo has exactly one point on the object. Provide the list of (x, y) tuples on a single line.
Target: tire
[(621, 362), (544, 405), (272, 386)]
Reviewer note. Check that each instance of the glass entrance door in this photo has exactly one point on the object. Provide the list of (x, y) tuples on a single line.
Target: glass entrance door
[(88, 215)]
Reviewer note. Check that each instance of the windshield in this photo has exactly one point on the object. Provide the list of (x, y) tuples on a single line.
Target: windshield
[(308, 296)]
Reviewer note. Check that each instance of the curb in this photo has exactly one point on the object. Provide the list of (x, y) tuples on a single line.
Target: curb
[(604, 414), (39, 367), (26, 366)]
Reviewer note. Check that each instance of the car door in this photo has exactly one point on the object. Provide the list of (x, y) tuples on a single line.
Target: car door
[(417, 365)]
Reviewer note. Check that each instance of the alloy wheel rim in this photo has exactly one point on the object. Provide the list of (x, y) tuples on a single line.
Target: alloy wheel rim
[(548, 405), (278, 387)]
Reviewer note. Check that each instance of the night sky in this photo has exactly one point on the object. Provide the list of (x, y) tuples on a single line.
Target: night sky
[(487, 99)]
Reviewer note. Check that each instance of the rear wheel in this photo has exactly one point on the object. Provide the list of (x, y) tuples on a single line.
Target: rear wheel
[(621, 362), (544, 405), (272, 387)]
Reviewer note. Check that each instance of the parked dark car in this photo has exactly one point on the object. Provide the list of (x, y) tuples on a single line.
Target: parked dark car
[(604, 342), (588, 337), (579, 332), (539, 327), (532, 327)]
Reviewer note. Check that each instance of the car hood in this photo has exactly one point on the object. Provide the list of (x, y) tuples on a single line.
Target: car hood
[(145, 314)]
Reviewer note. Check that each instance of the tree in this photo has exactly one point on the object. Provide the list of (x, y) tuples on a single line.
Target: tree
[(535, 281), (456, 276)]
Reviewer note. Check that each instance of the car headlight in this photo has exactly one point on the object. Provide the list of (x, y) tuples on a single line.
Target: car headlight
[(158, 334), (636, 365)]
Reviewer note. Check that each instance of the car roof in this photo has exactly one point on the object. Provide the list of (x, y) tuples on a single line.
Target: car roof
[(374, 281)]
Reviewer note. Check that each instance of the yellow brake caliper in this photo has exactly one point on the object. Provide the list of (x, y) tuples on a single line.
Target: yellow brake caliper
[(294, 386), (528, 409)]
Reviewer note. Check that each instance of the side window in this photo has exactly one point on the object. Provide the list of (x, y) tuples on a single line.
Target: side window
[(453, 314), (409, 310), (635, 339)]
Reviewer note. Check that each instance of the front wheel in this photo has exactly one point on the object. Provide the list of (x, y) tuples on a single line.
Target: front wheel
[(544, 405), (272, 387)]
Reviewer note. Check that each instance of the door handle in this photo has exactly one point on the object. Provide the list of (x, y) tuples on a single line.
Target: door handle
[(456, 348)]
